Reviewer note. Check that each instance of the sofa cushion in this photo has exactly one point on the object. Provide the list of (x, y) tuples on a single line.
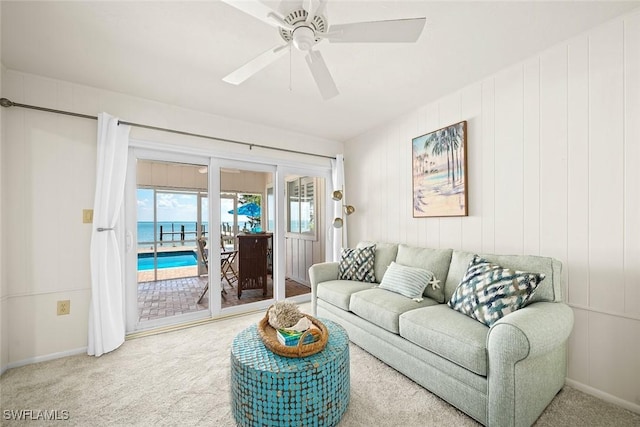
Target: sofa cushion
[(382, 307), (357, 264), (338, 292), (435, 260), (385, 254), (489, 292), (549, 289), (447, 333), (407, 281)]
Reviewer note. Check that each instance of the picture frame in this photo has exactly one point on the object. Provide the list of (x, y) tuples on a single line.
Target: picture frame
[(439, 172)]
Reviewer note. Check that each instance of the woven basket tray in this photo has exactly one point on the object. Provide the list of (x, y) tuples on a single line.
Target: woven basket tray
[(270, 339)]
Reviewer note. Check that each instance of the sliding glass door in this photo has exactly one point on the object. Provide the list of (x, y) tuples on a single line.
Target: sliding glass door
[(248, 279), (229, 236), (168, 207)]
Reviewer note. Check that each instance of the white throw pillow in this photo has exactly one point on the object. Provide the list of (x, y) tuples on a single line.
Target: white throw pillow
[(407, 281)]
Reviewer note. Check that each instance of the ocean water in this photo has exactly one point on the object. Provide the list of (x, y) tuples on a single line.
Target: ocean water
[(171, 231)]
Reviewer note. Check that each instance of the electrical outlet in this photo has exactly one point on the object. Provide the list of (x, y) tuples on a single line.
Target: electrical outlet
[(87, 216), (64, 307)]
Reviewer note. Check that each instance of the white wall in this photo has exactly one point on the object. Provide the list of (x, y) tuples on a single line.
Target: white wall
[(4, 347), (48, 178), (553, 155)]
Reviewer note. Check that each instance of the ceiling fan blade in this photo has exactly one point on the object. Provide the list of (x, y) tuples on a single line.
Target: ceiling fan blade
[(321, 75), (255, 65), (394, 31), (257, 9), (313, 8)]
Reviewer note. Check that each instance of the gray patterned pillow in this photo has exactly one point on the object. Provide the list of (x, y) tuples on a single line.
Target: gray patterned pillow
[(357, 264), (489, 292)]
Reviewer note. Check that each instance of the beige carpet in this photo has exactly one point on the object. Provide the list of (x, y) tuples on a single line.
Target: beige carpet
[(181, 378)]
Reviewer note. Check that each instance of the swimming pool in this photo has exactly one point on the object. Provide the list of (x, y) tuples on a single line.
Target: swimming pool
[(167, 260)]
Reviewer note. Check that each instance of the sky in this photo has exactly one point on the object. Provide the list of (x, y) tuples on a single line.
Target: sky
[(177, 207)]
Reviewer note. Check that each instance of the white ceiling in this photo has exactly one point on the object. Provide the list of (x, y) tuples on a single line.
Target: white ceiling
[(178, 52)]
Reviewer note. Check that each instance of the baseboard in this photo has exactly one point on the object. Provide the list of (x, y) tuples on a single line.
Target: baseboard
[(45, 358), (604, 396), (301, 280)]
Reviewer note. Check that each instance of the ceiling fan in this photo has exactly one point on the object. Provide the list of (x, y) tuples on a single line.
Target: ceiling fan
[(305, 26)]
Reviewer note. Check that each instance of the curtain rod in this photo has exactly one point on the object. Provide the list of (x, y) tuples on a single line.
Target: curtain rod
[(4, 102)]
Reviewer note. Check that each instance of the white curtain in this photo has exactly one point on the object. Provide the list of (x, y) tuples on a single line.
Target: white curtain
[(339, 235), (106, 311)]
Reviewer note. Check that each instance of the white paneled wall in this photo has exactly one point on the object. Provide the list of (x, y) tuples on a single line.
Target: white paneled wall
[(4, 334), (48, 176), (553, 154), (631, 170), (606, 173)]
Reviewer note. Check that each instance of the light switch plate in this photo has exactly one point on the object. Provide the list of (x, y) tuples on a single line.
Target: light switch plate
[(64, 307), (87, 216)]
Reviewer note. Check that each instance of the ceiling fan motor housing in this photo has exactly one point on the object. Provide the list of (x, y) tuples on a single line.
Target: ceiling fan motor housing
[(304, 34)]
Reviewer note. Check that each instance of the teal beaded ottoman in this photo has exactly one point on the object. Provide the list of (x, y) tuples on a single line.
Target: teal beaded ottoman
[(272, 390)]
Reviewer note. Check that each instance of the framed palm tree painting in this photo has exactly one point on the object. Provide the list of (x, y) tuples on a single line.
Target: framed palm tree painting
[(440, 172)]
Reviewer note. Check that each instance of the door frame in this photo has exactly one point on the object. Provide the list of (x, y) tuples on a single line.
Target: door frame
[(326, 232)]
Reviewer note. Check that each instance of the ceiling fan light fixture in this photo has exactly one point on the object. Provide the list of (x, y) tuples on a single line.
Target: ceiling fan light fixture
[(304, 38)]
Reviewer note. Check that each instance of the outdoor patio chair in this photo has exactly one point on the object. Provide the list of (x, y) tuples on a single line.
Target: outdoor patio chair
[(227, 259), (204, 253), (227, 272)]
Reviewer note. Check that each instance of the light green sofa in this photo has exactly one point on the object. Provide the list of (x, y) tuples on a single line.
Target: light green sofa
[(502, 376)]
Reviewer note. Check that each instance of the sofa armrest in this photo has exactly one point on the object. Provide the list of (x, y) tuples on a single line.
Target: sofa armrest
[(319, 273), (527, 356), (531, 331)]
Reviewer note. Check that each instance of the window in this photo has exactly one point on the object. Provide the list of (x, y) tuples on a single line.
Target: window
[(271, 209), (247, 215), (301, 206)]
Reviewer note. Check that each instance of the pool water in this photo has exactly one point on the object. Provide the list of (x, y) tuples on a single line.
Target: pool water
[(167, 260)]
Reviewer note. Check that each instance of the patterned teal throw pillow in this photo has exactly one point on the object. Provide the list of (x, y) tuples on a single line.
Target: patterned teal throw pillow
[(357, 264), (489, 292)]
